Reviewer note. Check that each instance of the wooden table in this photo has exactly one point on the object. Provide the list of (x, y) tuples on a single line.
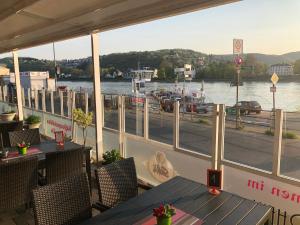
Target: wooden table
[(194, 199), (51, 146)]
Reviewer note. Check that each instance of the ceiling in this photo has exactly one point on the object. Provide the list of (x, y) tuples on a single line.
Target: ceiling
[(28, 23)]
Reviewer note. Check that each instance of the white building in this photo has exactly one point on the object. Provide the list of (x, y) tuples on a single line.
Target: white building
[(143, 74), (187, 72), (35, 80), (282, 69)]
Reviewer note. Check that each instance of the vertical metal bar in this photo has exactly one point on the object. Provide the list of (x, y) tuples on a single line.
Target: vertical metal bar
[(176, 125), (215, 129), (52, 102), (103, 114), (69, 93), (61, 96), (73, 106), (221, 134), (18, 85), (43, 100), (36, 99), (146, 119), (121, 124), (97, 95), (4, 93), (23, 97), (277, 142), (29, 97), (86, 99), (1, 93)]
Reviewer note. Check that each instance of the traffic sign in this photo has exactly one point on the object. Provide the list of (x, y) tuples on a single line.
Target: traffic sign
[(273, 89), (237, 46), (274, 78)]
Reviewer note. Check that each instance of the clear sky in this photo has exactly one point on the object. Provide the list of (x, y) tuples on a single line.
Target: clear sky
[(267, 26)]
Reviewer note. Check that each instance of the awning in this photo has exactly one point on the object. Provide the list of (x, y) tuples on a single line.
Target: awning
[(28, 23)]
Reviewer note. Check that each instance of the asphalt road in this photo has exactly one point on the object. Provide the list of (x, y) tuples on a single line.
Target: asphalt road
[(247, 147)]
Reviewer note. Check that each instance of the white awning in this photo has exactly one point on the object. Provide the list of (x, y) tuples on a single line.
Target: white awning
[(27, 23)]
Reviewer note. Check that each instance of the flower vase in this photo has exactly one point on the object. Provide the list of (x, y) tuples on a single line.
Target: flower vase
[(164, 220), (22, 150)]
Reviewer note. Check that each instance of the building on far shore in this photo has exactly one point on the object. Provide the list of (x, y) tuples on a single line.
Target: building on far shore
[(281, 69)]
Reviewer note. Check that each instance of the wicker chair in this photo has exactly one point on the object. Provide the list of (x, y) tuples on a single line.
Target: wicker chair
[(62, 164), (117, 182), (31, 136), (6, 127), (17, 179), (65, 202)]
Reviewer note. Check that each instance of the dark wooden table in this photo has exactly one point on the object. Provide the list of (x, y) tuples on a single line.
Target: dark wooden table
[(51, 146), (194, 199)]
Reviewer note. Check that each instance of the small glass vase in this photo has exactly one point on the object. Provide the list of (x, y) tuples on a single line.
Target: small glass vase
[(164, 220), (22, 150)]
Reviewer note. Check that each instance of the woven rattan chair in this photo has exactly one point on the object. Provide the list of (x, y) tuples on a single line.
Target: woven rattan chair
[(6, 127), (17, 179), (62, 164), (65, 202), (117, 182), (31, 136)]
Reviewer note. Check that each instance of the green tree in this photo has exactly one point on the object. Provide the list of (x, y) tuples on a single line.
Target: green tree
[(297, 67)]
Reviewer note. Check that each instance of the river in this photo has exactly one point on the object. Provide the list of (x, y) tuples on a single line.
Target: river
[(287, 95)]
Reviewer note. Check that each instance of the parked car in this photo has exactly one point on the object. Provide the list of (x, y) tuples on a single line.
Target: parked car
[(247, 107)]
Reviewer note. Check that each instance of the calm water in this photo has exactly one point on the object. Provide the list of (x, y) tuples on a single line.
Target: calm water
[(287, 95)]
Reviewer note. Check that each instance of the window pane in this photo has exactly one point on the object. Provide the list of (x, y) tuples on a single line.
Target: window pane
[(290, 152), (250, 141), (111, 111), (134, 115)]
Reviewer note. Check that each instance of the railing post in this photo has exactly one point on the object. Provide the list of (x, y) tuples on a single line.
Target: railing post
[(215, 129), (69, 103), (23, 96), (73, 106), (97, 95), (86, 100), (277, 142), (18, 85), (103, 114), (36, 99), (221, 134), (43, 100), (61, 96), (52, 102), (146, 118), (121, 123), (176, 125), (29, 97), (5, 93)]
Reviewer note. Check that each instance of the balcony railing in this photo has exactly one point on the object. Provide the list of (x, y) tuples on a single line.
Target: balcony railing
[(260, 159)]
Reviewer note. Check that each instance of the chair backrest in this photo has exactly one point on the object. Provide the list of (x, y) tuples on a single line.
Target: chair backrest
[(64, 202), (117, 182), (31, 136), (62, 164), (6, 127), (17, 179)]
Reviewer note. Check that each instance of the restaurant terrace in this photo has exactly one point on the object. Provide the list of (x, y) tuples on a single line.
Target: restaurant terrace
[(59, 171)]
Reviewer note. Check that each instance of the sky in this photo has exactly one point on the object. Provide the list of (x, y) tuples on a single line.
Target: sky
[(266, 26)]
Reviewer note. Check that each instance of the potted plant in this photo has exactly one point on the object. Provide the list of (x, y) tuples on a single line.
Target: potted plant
[(22, 148), (111, 156), (83, 120), (164, 214), (33, 121), (8, 115)]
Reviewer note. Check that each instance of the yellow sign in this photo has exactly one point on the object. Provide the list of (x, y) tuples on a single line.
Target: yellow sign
[(274, 78)]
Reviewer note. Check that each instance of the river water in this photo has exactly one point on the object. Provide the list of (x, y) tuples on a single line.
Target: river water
[(287, 95)]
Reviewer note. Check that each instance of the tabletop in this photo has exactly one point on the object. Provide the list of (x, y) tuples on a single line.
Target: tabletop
[(191, 197)]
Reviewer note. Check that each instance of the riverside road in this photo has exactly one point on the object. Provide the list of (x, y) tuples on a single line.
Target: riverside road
[(249, 146)]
